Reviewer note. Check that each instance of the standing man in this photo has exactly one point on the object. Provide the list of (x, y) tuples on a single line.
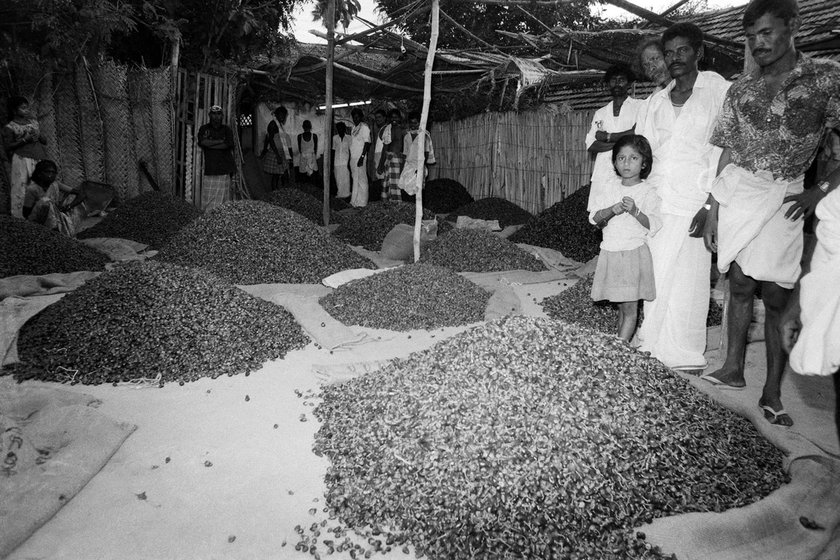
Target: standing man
[(679, 122), (770, 128), (393, 159), (380, 118), (359, 146), (341, 160), (612, 121), (216, 140)]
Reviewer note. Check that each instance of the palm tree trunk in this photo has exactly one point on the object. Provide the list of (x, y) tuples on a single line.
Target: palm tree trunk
[(328, 117), (424, 119)]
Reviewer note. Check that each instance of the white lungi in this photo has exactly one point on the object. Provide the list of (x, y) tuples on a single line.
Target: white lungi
[(21, 171), (752, 228), (817, 350), (359, 137), (674, 327)]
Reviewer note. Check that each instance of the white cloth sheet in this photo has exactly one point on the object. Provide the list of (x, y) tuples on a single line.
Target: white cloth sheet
[(604, 120), (817, 350), (752, 228), (684, 162), (674, 328)]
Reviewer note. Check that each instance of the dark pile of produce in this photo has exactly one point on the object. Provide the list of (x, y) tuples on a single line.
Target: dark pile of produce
[(445, 195), (303, 203), (151, 218), (472, 250), (144, 319), (368, 226), (27, 248), (508, 213), (564, 227), (531, 438), (415, 296), (575, 305), (252, 242)]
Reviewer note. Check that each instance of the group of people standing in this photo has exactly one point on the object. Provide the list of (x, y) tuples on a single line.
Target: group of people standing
[(706, 166), (377, 162)]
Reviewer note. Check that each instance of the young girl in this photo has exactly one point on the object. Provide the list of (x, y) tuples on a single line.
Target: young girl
[(629, 215)]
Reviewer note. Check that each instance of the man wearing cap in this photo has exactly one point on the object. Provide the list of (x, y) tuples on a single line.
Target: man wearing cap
[(216, 141)]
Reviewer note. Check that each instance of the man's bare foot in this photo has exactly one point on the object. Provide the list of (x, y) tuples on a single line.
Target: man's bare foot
[(774, 412), (726, 376)]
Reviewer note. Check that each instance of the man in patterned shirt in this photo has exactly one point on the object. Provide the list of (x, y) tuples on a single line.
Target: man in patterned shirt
[(770, 128)]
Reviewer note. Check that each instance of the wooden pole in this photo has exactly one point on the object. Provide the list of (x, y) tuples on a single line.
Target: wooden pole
[(328, 116), (424, 119)]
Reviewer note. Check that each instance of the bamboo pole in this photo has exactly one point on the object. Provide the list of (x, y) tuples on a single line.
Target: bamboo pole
[(329, 110), (424, 118)]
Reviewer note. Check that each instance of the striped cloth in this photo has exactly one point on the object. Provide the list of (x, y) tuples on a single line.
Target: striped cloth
[(272, 164), (391, 184), (215, 189)]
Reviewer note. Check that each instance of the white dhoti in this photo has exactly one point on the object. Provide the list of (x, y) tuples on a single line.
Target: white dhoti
[(342, 179), (360, 182), (22, 169), (817, 350), (752, 228), (674, 327)]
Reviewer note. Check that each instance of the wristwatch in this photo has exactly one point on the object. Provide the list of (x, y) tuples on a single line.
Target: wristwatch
[(824, 186)]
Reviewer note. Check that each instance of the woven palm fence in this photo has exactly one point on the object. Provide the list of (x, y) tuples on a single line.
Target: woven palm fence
[(532, 159), (101, 119)]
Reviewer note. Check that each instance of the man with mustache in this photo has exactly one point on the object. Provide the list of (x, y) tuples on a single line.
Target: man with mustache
[(679, 121), (770, 128)]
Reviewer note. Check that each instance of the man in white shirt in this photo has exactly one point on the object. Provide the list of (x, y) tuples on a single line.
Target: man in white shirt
[(359, 145), (341, 160), (678, 125), (612, 121)]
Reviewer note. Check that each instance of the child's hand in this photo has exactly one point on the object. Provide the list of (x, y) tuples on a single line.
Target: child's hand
[(629, 205), (617, 208)]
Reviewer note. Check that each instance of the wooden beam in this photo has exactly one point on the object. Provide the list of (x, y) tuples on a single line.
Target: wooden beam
[(366, 32), (385, 82), (328, 116), (537, 3)]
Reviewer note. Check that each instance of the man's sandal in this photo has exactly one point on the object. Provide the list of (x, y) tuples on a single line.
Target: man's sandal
[(774, 416)]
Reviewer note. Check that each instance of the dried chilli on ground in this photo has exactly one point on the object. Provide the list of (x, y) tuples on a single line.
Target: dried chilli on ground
[(415, 296), (564, 227), (151, 218), (27, 248), (144, 319), (493, 208), (368, 226), (303, 203), (532, 438), (575, 305), (472, 250), (445, 195), (253, 242)]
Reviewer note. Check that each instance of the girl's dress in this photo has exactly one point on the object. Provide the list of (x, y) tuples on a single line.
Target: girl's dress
[(625, 269)]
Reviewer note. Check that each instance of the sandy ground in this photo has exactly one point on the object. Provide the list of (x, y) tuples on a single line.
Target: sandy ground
[(231, 457)]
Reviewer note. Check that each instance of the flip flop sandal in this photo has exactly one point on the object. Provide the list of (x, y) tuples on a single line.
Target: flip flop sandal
[(720, 384), (775, 416)]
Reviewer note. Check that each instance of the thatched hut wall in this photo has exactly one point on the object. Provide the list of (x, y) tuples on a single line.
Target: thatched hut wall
[(100, 120), (532, 159)]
